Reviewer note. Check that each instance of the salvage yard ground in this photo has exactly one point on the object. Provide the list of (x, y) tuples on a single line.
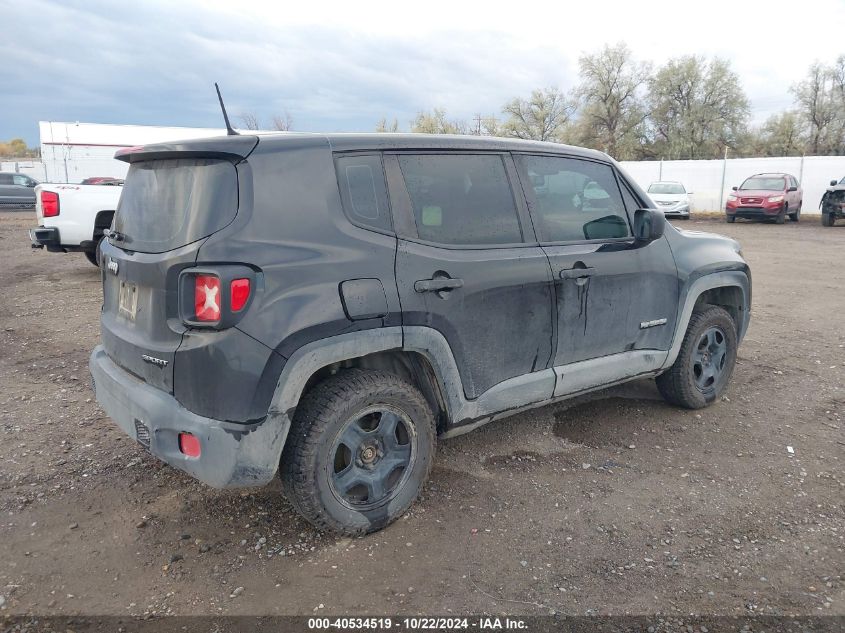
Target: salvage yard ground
[(616, 504)]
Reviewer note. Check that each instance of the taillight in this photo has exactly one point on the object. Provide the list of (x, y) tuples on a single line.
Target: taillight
[(49, 204), (207, 298), (238, 294), (189, 445)]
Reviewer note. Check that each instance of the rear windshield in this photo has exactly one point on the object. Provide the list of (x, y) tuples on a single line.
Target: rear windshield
[(666, 188), (767, 184), (166, 204)]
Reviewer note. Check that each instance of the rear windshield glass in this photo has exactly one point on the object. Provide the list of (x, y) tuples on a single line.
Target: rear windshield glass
[(666, 188), (767, 184), (166, 204)]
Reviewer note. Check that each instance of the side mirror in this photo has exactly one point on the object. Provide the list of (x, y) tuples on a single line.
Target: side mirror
[(792, 189), (833, 183), (735, 188), (689, 193), (648, 225)]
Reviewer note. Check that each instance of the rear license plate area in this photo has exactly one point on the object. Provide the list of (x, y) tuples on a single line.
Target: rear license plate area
[(127, 303)]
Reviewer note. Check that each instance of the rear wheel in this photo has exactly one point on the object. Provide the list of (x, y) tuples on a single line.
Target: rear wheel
[(704, 365), (91, 256), (360, 448)]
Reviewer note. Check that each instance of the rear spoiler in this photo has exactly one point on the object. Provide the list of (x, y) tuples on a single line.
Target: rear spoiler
[(233, 148)]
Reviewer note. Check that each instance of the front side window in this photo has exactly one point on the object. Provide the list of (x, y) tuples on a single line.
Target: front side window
[(574, 200), (363, 190), (461, 198)]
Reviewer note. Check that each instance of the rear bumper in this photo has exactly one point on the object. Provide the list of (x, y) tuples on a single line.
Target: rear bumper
[(232, 454), (42, 236)]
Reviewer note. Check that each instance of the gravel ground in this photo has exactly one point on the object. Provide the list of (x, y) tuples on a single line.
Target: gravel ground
[(616, 504)]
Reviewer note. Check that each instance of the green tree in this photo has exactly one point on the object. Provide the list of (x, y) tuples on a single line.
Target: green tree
[(780, 135), (435, 122), (697, 108), (545, 116), (612, 110)]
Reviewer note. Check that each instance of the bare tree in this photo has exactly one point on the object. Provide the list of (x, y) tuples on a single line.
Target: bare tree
[(249, 120), (612, 111), (815, 98), (384, 126), (282, 122), (543, 117), (485, 126)]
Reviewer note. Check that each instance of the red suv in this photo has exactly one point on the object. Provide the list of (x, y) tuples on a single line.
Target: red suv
[(766, 197)]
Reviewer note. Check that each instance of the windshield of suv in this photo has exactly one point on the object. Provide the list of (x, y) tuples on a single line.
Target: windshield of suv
[(768, 184), (168, 203), (666, 187)]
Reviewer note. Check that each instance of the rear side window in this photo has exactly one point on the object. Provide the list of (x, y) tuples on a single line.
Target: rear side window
[(166, 204), (574, 200), (363, 191), (461, 198)]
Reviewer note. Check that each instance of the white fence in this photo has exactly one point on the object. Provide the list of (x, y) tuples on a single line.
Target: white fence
[(711, 180)]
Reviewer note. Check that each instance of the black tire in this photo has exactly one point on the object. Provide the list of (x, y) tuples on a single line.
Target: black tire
[(684, 384), (828, 219), (730, 219), (317, 452), (91, 256), (796, 215), (781, 217)]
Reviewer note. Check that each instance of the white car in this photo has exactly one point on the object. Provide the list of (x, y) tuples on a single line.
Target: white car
[(671, 198), (72, 218)]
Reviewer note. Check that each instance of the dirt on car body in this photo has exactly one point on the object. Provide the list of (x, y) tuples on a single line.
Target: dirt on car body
[(615, 504)]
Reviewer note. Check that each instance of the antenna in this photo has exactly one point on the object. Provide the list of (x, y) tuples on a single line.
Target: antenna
[(229, 129)]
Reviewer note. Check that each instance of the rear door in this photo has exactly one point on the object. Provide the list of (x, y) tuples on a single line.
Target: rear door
[(468, 264), (166, 208), (611, 296)]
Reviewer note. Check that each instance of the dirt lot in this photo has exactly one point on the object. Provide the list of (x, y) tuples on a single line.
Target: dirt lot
[(615, 505)]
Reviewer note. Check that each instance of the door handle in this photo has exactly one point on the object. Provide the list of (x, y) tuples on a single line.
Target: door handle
[(577, 273), (437, 284)]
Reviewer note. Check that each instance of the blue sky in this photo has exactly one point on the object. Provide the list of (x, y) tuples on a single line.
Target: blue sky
[(341, 66)]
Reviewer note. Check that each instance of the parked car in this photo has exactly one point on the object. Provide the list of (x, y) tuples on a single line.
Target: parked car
[(671, 198), (766, 197), (331, 306), (73, 218), (102, 180), (17, 191), (832, 203)]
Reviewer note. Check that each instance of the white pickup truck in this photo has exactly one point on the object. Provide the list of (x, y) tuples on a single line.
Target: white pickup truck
[(72, 218)]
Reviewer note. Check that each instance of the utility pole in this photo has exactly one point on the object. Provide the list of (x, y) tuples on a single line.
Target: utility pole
[(722, 189)]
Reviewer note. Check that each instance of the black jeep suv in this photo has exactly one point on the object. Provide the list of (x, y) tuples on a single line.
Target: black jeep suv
[(328, 306)]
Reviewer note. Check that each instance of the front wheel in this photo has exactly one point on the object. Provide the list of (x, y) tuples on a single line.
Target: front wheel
[(796, 215), (730, 219), (828, 219), (704, 365), (360, 448)]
